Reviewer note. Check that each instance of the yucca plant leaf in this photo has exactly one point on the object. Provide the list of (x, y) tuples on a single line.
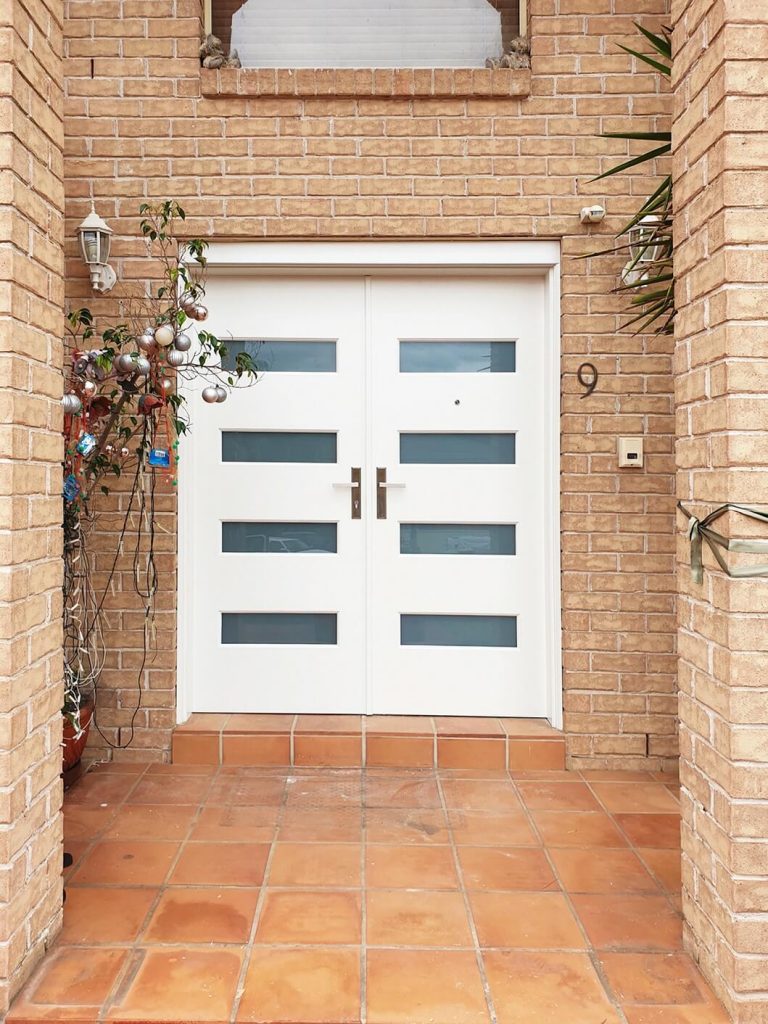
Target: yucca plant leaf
[(661, 44), (648, 60), (650, 155), (640, 136)]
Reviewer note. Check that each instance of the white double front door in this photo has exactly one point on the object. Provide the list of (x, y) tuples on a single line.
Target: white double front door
[(367, 526)]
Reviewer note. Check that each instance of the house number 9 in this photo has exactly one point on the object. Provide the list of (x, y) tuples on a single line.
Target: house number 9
[(587, 376)]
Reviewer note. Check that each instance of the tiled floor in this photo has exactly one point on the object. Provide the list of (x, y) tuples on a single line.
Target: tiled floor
[(386, 896)]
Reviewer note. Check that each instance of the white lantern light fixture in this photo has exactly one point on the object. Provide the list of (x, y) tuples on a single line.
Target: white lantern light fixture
[(95, 239)]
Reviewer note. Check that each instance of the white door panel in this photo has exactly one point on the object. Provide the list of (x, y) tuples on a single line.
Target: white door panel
[(299, 606)]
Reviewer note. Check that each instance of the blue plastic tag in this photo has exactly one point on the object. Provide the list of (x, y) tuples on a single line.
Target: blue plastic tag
[(86, 444), (159, 457)]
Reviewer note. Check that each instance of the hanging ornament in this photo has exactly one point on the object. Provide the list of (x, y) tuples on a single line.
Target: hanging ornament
[(89, 388), (147, 343), (124, 363), (167, 385), (71, 487), (160, 458), (199, 313), (183, 343), (143, 366), (164, 335), (187, 302), (107, 447), (123, 452), (175, 358), (148, 403), (221, 393), (210, 395), (71, 404), (80, 365), (86, 444)]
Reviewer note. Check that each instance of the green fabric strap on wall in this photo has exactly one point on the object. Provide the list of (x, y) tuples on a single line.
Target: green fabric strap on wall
[(700, 530)]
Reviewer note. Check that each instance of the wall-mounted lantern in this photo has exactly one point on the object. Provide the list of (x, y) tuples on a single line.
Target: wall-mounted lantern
[(95, 239)]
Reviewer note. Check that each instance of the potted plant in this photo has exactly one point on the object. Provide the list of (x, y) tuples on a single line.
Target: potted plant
[(77, 712)]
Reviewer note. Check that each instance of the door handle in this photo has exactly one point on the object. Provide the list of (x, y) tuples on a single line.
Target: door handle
[(355, 490), (382, 486)]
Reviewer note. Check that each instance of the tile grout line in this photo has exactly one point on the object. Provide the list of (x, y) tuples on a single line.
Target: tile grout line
[(134, 960), (590, 950), (363, 900), (467, 906), (251, 941)]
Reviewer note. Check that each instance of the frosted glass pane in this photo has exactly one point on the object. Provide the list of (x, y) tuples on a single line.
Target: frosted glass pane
[(457, 356), (458, 630), (456, 539), (278, 538), (284, 356), (272, 446), (277, 628), (465, 449), (366, 33)]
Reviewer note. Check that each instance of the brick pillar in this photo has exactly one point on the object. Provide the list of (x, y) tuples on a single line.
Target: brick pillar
[(31, 306), (721, 196)]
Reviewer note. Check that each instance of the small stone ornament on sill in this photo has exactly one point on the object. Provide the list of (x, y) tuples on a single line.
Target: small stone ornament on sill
[(213, 55), (517, 57)]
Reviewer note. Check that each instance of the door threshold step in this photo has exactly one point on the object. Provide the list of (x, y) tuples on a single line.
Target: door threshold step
[(372, 741)]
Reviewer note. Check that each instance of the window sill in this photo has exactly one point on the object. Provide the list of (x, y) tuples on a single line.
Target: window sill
[(366, 82)]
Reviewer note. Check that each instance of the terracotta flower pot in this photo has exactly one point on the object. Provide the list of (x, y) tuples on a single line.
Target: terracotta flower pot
[(72, 745)]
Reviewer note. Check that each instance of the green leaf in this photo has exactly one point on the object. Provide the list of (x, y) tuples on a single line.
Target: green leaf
[(650, 155), (657, 65)]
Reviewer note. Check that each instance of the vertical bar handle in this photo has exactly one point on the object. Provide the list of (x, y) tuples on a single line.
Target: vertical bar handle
[(355, 490), (382, 486)]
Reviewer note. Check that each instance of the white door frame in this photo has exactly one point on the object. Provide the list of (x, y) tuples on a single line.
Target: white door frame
[(491, 257)]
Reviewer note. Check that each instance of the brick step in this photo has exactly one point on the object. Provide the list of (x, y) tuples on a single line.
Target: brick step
[(375, 741)]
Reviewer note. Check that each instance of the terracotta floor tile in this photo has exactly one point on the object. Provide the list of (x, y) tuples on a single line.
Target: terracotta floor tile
[(322, 825), (546, 988), (522, 920), (221, 864), (468, 752), (577, 828), (98, 915), (665, 865), (325, 918), (156, 789), (316, 865), (480, 828), (629, 923), (431, 987), (536, 753), (417, 751), (84, 822), (259, 724), (119, 768), (472, 795), (708, 1013), (77, 850), (182, 985), (320, 725), (410, 867), (500, 868), (522, 727), (655, 830), (102, 788), (256, 749), (203, 915), (151, 821), (339, 790), (558, 796), (398, 725), (294, 986), (76, 976), (195, 748), (201, 721), (409, 826), (171, 771), (606, 775), (468, 727), (333, 750), (636, 798), (402, 792), (610, 871), (653, 977), (126, 863), (244, 788), (403, 917), (227, 824)]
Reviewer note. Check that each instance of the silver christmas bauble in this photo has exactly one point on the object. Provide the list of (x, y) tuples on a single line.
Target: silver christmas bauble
[(210, 395), (199, 313), (143, 366), (124, 363), (167, 385), (147, 343), (187, 302), (175, 358), (89, 388), (164, 335), (221, 393), (183, 343), (72, 404)]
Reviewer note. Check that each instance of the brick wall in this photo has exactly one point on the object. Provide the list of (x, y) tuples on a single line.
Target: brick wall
[(721, 194), (31, 305), (414, 156)]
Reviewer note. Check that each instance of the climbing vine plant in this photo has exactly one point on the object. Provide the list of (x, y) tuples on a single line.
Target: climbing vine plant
[(124, 415)]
